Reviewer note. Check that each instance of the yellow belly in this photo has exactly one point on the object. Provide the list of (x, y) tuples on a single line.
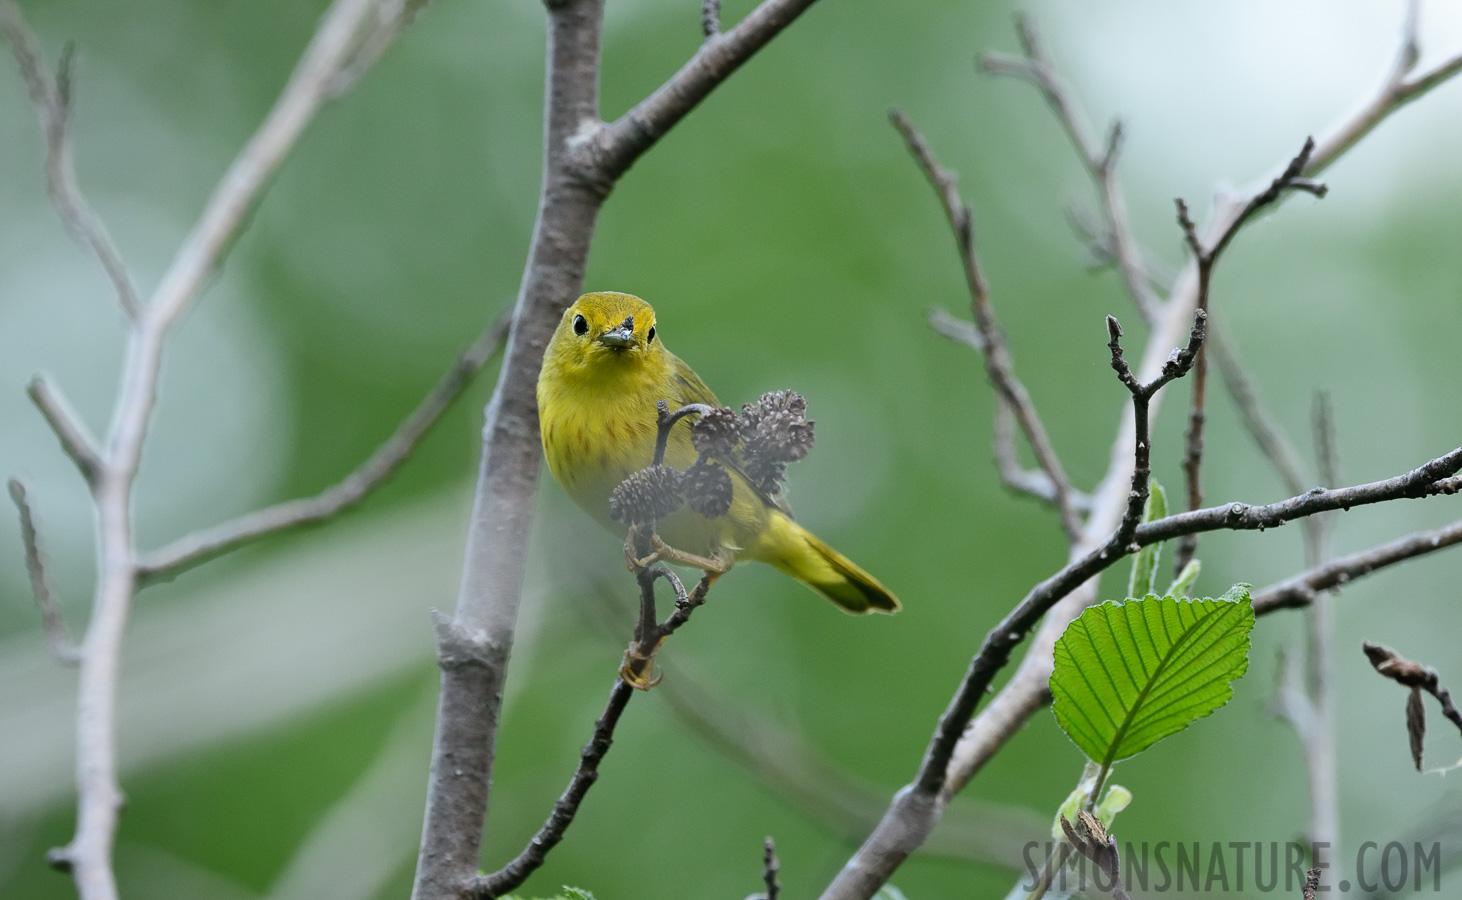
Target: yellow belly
[(592, 443)]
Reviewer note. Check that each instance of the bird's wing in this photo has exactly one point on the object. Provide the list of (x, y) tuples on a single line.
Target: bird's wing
[(694, 390)]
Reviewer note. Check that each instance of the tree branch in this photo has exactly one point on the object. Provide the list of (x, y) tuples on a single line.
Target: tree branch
[(916, 808), (112, 469), (1206, 256), (769, 869), (616, 146), (51, 96), (57, 636), (1299, 591), (909, 818), (582, 160), (1396, 91), (648, 638), (201, 546), (1100, 160), (76, 439), (998, 365), (1019, 479)]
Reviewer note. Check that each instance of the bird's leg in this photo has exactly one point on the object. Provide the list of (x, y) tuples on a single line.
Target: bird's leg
[(716, 565)]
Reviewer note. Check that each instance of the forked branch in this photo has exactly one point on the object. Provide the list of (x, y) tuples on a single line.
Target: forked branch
[(1206, 257), (1011, 393), (52, 97), (196, 548)]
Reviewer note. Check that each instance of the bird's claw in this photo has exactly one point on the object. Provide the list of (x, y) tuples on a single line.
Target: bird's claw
[(638, 669)]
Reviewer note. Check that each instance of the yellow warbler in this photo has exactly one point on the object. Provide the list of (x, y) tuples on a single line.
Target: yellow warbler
[(603, 373)]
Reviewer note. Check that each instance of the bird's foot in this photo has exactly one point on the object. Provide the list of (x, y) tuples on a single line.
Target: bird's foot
[(638, 669), (715, 566)]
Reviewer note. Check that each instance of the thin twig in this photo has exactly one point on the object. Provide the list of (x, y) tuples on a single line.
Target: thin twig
[(770, 866), (998, 365), (1413, 675), (615, 146), (1397, 90), (196, 548), (1033, 482), (1100, 160), (112, 469), (75, 438), (710, 18), (648, 638), (533, 856), (62, 646), (1300, 590), (52, 98), (1207, 256)]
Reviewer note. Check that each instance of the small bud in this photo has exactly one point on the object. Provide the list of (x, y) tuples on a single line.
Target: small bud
[(716, 433), (646, 495), (708, 489)]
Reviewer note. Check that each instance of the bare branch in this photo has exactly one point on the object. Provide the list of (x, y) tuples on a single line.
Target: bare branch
[(75, 438), (1034, 482), (635, 674), (524, 864), (52, 98), (909, 818), (1037, 69), (769, 869), (1260, 424), (57, 636), (196, 548), (582, 160), (914, 809), (1300, 590), (1207, 257), (1178, 365), (710, 18), (618, 144), (112, 469), (998, 365), (1396, 91)]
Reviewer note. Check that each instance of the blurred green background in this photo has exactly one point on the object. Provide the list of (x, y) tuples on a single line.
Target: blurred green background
[(278, 703)]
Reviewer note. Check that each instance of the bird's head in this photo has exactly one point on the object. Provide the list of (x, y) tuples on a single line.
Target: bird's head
[(604, 332)]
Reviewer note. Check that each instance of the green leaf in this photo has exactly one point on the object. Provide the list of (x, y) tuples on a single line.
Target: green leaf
[(1129, 674), (889, 892), (1185, 580), (1144, 565)]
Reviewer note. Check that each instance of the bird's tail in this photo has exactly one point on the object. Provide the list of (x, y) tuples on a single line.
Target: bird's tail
[(799, 553)]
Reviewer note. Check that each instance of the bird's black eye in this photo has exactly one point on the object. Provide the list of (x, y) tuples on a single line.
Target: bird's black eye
[(581, 325), (650, 337)]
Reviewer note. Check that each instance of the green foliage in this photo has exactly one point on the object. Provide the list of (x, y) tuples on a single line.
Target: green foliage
[(1144, 564), (1129, 674), (1184, 582), (1116, 799)]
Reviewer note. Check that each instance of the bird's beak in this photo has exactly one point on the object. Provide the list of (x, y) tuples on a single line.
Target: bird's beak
[(621, 336), (618, 337)]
